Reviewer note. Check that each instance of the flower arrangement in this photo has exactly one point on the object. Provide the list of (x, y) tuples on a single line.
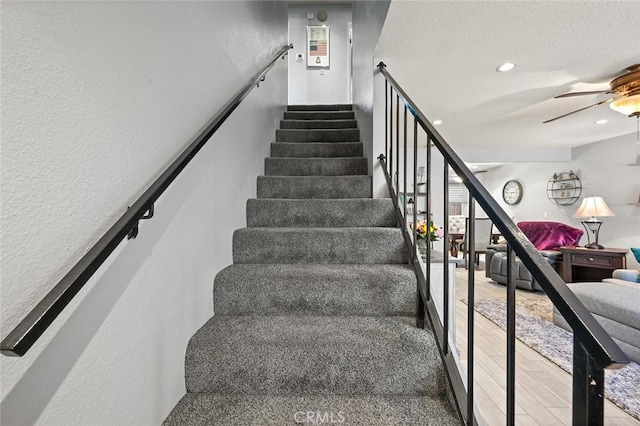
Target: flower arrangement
[(430, 233)]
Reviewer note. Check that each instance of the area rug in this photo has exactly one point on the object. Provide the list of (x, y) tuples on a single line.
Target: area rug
[(622, 387)]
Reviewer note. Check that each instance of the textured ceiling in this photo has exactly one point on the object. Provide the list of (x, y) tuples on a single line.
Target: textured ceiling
[(445, 55)]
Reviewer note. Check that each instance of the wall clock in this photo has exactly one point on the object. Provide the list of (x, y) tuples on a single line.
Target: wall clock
[(512, 192)]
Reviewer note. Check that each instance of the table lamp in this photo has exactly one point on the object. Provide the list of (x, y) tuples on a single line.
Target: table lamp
[(592, 207)]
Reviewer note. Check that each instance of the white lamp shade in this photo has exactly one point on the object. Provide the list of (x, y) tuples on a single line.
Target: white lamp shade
[(592, 207)]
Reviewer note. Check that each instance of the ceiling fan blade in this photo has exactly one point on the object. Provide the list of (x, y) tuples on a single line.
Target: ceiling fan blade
[(578, 110), (571, 94)]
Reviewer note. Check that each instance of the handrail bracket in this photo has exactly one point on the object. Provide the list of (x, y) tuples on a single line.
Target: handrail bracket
[(133, 232)]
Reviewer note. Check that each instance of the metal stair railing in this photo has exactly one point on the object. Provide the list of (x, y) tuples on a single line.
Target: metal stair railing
[(27, 332), (593, 349)]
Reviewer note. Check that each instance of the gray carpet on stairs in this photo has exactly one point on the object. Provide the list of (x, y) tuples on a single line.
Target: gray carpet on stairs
[(304, 289), (318, 124), (318, 135), (199, 409), (328, 107), (325, 187), (317, 213), (315, 166), (313, 355), (316, 316), (319, 115), (316, 149), (319, 245)]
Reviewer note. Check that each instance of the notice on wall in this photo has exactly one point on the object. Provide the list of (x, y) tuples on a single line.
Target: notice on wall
[(318, 46)]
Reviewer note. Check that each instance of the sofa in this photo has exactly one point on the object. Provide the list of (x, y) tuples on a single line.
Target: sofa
[(546, 236), (614, 304), (496, 266)]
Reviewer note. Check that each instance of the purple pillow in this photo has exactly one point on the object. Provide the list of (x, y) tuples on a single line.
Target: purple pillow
[(549, 235)]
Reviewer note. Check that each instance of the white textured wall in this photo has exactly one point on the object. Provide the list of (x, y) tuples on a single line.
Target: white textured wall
[(319, 85), (602, 168), (97, 98), (368, 18)]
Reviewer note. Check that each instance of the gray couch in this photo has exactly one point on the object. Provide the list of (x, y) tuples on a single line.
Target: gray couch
[(614, 304), (496, 266)]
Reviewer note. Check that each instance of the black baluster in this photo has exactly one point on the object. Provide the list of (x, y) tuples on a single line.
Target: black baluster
[(386, 120), (445, 260), (511, 335), (428, 213), (390, 158), (404, 177), (470, 320), (588, 388), (397, 144)]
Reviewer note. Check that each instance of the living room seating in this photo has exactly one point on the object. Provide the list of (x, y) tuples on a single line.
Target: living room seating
[(614, 304), (482, 238), (546, 236), (496, 269)]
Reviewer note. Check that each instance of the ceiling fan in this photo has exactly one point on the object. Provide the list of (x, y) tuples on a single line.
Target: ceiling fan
[(625, 89)]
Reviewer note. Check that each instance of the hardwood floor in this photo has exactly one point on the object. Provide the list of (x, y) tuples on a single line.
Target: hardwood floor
[(543, 390)]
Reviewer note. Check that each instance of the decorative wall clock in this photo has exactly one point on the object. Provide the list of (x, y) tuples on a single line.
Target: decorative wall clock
[(512, 192)]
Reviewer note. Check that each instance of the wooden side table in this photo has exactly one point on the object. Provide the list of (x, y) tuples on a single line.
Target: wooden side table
[(581, 264)]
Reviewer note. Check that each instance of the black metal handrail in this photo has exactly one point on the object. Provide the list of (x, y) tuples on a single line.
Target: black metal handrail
[(594, 349), (27, 332)]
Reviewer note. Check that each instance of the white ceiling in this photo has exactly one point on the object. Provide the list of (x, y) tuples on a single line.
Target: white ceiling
[(445, 54)]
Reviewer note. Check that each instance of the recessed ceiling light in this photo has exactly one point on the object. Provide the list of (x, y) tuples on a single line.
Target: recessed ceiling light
[(437, 122), (602, 121), (507, 66)]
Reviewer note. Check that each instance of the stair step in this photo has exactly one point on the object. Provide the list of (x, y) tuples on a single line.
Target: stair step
[(314, 187), (318, 213), (319, 245), (320, 149), (314, 355), (318, 124), (317, 135), (319, 115), (375, 290), (343, 166), (333, 107), (214, 409)]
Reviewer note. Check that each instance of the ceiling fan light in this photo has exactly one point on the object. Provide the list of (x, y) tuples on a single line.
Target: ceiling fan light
[(629, 105)]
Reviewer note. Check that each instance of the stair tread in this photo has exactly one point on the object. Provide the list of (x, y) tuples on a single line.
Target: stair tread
[(319, 115), (346, 290), (313, 355), (356, 186), (319, 124), (316, 166), (320, 107), (316, 149), (366, 245), (318, 135), (209, 409), (314, 212)]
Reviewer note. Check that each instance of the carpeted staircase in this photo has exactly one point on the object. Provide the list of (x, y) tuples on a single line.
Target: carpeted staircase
[(315, 320)]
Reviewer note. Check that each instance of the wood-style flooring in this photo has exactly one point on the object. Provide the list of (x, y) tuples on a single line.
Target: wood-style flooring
[(543, 390)]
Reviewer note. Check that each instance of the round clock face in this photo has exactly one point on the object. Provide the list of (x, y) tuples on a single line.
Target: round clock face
[(512, 192)]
